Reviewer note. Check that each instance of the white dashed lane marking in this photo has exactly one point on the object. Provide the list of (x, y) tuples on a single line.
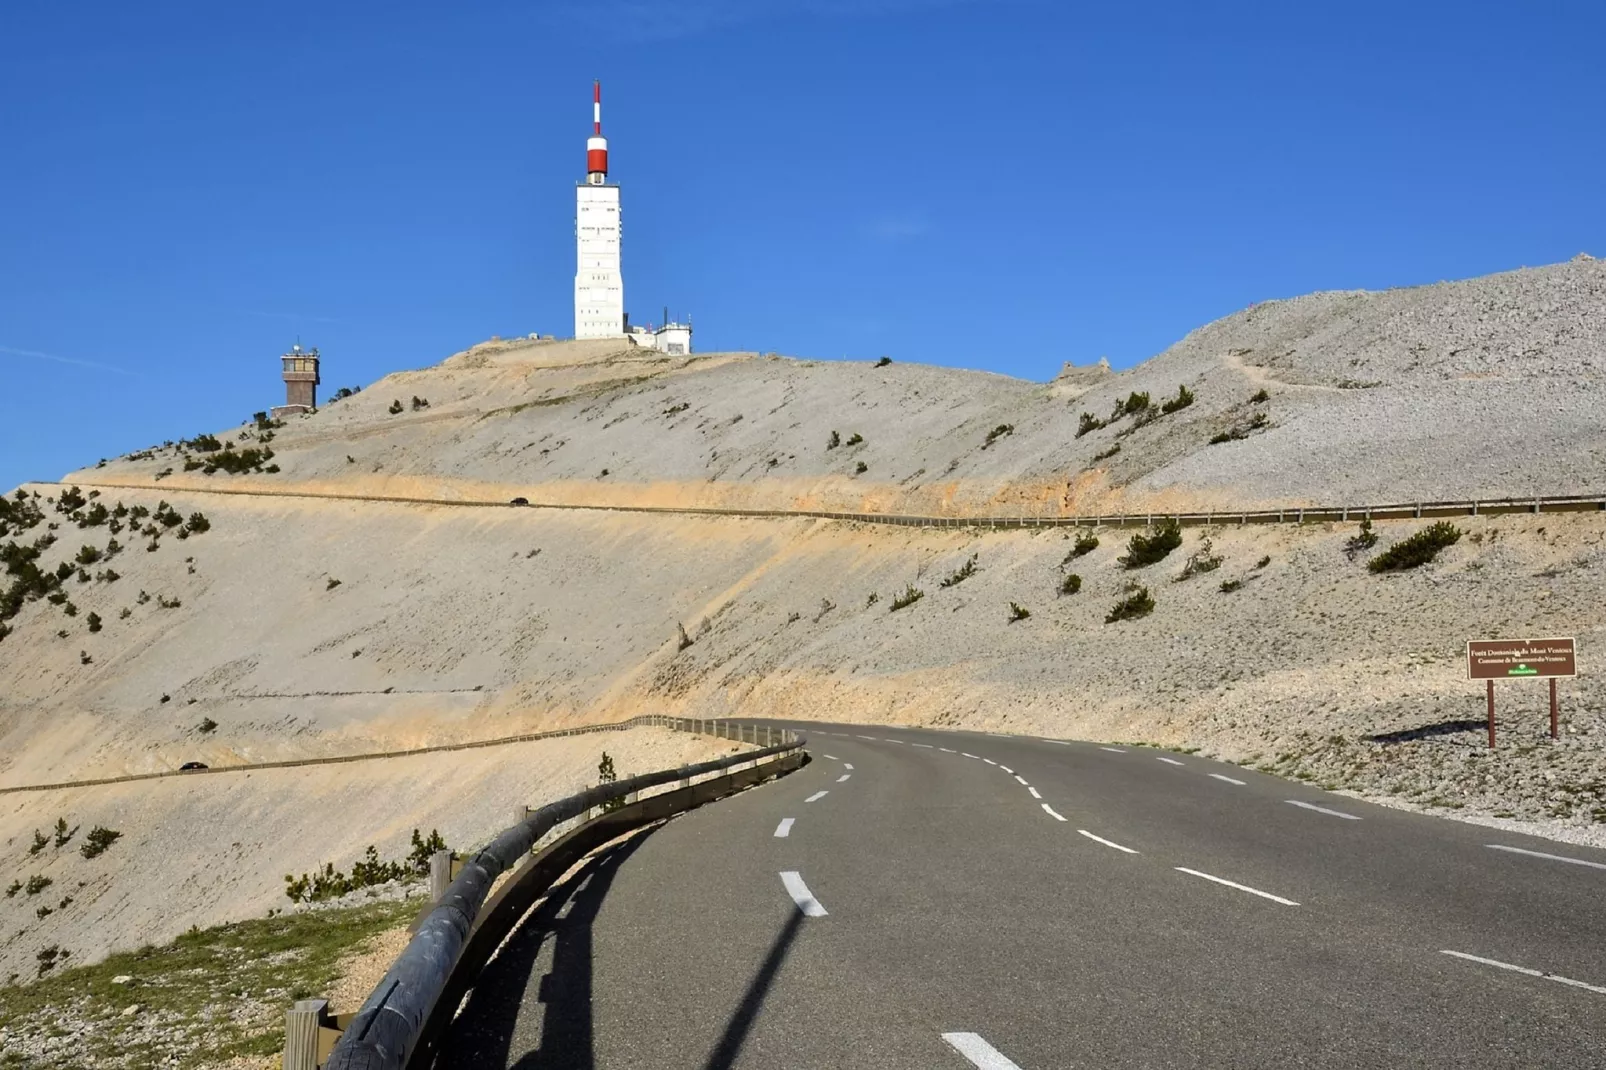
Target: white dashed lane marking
[(989, 761), (1113, 750), (1019, 778), (1329, 813), (980, 1053), (1525, 970), (1541, 854), (1107, 843), (801, 895), (946, 750), (848, 766), (1168, 761), (1007, 769), (1240, 887), (1049, 810), (816, 796), (784, 829), (928, 746), (833, 757), (1061, 742), (843, 777), (1228, 779), (967, 754), (1034, 793)]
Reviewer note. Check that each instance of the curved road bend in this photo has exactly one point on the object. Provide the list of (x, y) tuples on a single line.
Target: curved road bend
[(934, 910)]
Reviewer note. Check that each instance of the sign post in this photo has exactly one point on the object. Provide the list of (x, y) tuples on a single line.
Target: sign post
[(1521, 659)]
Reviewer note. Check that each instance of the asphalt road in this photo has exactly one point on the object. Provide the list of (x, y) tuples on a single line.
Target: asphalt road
[(958, 899)]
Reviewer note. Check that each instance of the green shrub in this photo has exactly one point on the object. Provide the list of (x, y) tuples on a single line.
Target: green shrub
[(12, 889), (332, 584), (204, 444), (1229, 586), (1018, 612), (883, 362), (1259, 397), (834, 441), (1104, 455), (1183, 399), (909, 597), (1363, 540), (424, 848), (1263, 562), (1134, 404), (963, 573), (84, 658), (1137, 604), (872, 600), (1145, 549), (855, 439), (87, 555), (395, 407), (1086, 543), (63, 833), (197, 523), (1203, 559), (1417, 550), (100, 837), (207, 726), (1088, 423), (40, 842), (420, 403), (860, 468), (606, 774), (37, 884), (1071, 584), (997, 433), (93, 620)]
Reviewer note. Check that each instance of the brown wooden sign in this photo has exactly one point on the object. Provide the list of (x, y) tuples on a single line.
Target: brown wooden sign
[(1520, 659)]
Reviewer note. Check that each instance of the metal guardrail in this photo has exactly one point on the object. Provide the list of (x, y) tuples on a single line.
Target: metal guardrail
[(388, 1031), (1563, 503)]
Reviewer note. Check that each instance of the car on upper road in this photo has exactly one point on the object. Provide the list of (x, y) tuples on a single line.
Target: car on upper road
[(519, 501), (188, 767)]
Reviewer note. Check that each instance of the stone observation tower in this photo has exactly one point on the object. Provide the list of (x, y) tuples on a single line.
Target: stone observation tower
[(300, 381)]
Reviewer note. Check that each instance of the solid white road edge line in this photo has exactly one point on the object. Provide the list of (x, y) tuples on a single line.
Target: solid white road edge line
[(1107, 843), (801, 895), (1523, 969), (1049, 810), (1240, 887), (1168, 761), (980, 1053), (1033, 791), (1228, 779), (843, 777), (1113, 750), (817, 795), (784, 829), (1061, 742), (1541, 854), (1329, 813)]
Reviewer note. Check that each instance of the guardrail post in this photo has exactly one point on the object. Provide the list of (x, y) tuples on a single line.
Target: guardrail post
[(767, 737), (440, 875), (301, 1026)]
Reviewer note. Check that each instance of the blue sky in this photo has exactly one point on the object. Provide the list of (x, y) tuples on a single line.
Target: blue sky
[(186, 188)]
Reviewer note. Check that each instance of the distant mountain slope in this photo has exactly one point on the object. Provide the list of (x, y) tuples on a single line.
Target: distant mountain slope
[(1482, 388)]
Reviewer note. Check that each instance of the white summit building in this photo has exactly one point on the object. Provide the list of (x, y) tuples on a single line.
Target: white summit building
[(599, 285)]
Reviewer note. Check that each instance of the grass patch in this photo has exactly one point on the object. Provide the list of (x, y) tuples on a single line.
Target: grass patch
[(1416, 550), (227, 988)]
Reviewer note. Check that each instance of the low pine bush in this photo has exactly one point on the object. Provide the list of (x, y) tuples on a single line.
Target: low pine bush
[(1085, 544), (1088, 423), (1416, 550), (100, 837), (963, 573), (395, 407), (909, 597), (1018, 612), (1071, 584), (1183, 399), (1145, 549), (1362, 541), (997, 433), (1137, 604)]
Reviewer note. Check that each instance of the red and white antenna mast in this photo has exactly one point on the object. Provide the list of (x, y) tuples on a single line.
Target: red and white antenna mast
[(596, 144)]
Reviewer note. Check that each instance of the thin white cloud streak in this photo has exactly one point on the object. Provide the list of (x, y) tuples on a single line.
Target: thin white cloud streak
[(36, 355)]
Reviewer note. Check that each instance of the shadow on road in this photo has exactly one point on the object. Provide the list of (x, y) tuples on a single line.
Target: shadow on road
[(483, 1034), (488, 1032), (746, 1013), (1427, 731)]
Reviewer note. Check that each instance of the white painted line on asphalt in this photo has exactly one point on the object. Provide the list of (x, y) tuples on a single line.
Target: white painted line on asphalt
[(889, 739), (967, 754), (817, 795), (1107, 843), (1541, 854), (1007, 769), (1240, 887), (980, 1053), (848, 766), (1033, 791), (843, 777), (784, 829), (1113, 750), (801, 895), (1531, 973), (1168, 761), (1021, 779), (1228, 779), (872, 739), (989, 761), (1322, 810), (1049, 810), (833, 757), (946, 750), (1061, 742), (928, 746)]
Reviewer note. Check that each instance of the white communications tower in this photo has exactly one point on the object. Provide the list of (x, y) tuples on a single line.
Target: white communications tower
[(599, 288)]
